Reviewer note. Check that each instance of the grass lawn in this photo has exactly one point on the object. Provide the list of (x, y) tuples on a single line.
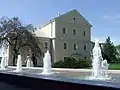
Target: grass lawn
[(114, 66)]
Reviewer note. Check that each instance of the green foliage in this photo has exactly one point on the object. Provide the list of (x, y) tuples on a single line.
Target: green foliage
[(109, 51), (59, 64), (118, 48), (114, 66), (118, 53), (83, 63), (18, 36), (70, 62)]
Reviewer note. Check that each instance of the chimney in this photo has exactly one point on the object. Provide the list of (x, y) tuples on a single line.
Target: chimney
[(59, 14)]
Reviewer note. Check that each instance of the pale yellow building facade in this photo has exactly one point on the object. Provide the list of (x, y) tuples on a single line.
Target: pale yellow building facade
[(66, 35)]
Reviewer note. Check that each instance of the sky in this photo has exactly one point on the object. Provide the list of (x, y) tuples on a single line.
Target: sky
[(104, 15)]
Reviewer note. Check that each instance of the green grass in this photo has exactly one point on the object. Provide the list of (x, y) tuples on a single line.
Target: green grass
[(114, 66)]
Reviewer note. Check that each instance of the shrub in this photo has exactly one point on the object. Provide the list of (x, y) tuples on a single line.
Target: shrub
[(116, 61), (59, 64), (71, 62), (82, 63), (68, 62)]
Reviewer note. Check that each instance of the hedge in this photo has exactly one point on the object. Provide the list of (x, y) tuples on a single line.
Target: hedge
[(70, 62)]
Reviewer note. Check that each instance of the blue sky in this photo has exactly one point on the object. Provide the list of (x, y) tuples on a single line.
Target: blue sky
[(104, 15)]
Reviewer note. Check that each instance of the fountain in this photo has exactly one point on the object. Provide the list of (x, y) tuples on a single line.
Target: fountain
[(4, 61), (29, 62), (47, 64), (99, 66), (3, 64), (19, 64), (7, 55)]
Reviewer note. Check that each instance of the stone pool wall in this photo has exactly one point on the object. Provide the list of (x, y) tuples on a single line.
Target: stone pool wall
[(27, 81)]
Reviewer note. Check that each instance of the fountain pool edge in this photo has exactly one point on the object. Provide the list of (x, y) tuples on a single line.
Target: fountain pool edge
[(54, 82), (66, 69)]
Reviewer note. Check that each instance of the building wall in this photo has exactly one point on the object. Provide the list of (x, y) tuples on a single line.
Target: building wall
[(47, 31), (42, 41), (53, 34), (61, 52), (50, 46), (69, 31), (79, 19), (47, 34), (70, 39)]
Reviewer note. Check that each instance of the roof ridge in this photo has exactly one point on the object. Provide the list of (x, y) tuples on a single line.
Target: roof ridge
[(56, 18)]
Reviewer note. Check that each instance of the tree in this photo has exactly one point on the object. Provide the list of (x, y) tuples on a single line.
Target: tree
[(109, 51), (118, 49), (118, 53), (18, 36)]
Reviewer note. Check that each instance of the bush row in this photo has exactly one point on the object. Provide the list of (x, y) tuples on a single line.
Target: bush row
[(70, 62)]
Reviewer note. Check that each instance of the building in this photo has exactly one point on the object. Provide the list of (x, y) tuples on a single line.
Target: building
[(66, 35)]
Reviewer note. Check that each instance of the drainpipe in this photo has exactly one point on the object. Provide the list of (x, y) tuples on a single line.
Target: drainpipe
[(51, 43)]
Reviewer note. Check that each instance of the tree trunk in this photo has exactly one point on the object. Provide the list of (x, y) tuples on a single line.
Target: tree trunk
[(15, 52), (14, 59)]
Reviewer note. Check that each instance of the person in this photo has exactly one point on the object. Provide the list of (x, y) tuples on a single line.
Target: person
[(34, 60)]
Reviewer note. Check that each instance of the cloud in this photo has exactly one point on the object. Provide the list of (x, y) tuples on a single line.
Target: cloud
[(114, 39), (117, 16), (112, 18)]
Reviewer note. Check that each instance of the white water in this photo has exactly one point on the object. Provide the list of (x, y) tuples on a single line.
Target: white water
[(3, 63), (19, 64), (99, 66), (29, 62), (47, 63), (5, 57)]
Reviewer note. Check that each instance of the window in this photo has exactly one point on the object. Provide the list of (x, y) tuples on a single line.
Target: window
[(75, 46), (65, 58), (74, 32), (46, 45), (84, 33), (65, 45), (64, 31), (85, 57), (74, 20), (84, 47)]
